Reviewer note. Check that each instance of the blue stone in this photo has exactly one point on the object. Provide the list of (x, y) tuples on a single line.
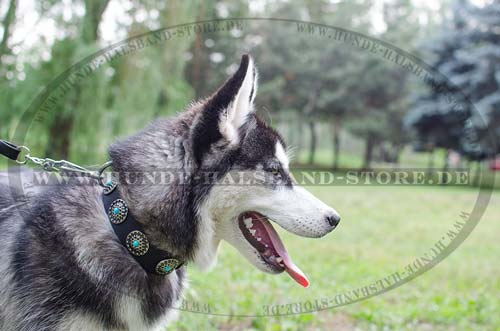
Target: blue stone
[(167, 268), (136, 243), (116, 210)]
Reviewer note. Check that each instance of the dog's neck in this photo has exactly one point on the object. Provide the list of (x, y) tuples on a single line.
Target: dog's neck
[(150, 167)]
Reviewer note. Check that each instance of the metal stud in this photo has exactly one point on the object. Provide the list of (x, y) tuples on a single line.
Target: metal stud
[(137, 243), (118, 211), (164, 267), (109, 187)]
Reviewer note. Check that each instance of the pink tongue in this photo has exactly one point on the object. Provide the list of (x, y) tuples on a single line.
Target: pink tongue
[(290, 267)]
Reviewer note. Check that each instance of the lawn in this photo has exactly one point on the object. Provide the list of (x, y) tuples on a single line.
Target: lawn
[(382, 230)]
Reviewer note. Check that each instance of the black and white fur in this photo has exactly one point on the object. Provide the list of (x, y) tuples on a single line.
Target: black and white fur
[(62, 267)]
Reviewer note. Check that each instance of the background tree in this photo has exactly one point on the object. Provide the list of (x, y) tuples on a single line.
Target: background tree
[(7, 64), (316, 83), (211, 54), (339, 105), (466, 53)]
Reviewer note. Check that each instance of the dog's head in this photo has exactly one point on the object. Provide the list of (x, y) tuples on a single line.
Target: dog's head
[(254, 187), (235, 182)]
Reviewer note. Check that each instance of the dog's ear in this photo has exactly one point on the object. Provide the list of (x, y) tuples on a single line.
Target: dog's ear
[(225, 112)]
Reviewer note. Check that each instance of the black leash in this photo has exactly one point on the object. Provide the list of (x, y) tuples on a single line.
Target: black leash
[(9, 150)]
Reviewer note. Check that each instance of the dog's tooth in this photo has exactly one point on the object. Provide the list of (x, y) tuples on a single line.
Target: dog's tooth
[(279, 259), (259, 239), (248, 222), (253, 232)]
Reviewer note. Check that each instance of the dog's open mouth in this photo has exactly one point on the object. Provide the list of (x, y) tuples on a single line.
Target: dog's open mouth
[(259, 232)]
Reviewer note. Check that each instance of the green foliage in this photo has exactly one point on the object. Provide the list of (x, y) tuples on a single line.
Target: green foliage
[(467, 55), (304, 77)]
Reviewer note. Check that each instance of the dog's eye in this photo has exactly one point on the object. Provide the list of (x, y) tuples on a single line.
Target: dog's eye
[(274, 170)]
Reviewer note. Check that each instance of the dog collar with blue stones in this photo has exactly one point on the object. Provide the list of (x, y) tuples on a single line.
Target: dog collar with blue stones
[(132, 236)]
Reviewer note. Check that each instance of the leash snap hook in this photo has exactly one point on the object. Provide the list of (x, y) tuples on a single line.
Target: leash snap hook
[(24, 155), (100, 177)]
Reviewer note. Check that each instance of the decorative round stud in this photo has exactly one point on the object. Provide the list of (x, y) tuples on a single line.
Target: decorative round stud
[(137, 243), (164, 267), (109, 187), (118, 211)]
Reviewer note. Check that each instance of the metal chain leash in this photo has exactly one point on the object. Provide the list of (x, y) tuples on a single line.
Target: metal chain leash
[(60, 166)]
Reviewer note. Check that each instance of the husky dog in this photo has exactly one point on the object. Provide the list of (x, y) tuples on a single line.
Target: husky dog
[(62, 267)]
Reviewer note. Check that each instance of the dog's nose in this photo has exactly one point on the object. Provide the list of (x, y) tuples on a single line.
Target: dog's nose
[(333, 220)]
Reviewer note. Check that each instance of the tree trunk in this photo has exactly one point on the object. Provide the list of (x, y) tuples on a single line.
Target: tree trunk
[(445, 167), (396, 153), (93, 14), (312, 142), (197, 81), (300, 131), (290, 131), (7, 23), (60, 137), (336, 141), (62, 125), (430, 164), (307, 113), (370, 144), (477, 174), (445, 163)]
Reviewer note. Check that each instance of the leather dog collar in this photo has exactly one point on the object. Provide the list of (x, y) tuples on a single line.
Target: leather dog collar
[(131, 235)]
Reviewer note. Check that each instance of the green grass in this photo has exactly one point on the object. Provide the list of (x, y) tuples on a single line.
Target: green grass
[(382, 230)]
